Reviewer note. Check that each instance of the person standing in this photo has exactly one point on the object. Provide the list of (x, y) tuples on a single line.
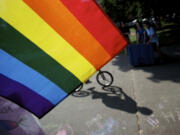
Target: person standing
[(141, 35), (125, 31), (153, 39)]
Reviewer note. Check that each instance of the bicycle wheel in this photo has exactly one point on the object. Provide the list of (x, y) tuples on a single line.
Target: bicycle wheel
[(80, 93), (79, 87), (104, 78)]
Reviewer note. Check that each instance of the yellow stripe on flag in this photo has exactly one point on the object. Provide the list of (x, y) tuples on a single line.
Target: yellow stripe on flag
[(26, 21)]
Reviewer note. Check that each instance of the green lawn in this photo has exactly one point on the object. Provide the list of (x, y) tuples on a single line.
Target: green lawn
[(133, 35)]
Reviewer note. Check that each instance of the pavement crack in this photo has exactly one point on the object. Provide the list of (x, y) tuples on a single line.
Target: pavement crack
[(134, 95)]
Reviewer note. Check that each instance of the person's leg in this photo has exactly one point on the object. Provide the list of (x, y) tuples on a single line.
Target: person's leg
[(160, 53)]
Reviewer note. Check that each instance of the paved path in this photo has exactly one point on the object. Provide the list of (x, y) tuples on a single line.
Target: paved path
[(141, 101), (99, 111)]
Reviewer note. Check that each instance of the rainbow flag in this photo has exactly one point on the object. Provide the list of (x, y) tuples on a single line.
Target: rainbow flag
[(49, 47)]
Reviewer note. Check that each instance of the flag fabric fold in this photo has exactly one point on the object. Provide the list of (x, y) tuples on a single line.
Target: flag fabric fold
[(48, 48)]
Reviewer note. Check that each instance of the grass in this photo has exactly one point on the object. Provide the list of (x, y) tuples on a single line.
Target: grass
[(132, 35)]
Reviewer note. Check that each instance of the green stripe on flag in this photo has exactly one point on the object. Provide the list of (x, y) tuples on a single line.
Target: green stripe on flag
[(23, 49)]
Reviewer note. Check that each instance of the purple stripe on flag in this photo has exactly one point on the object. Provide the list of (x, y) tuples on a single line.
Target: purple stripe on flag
[(24, 96)]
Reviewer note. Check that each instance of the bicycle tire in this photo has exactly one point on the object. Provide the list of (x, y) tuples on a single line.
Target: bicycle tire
[(79, 88), (80, 93), (104, 78)]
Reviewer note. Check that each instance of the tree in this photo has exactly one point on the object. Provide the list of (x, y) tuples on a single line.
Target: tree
[(127, 10), (124, 10)]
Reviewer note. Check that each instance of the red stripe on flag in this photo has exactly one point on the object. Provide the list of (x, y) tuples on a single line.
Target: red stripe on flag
[(98, 24)]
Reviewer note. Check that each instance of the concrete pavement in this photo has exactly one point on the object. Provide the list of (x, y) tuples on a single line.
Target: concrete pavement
[(158, 87), (141, 101), (96, 111)]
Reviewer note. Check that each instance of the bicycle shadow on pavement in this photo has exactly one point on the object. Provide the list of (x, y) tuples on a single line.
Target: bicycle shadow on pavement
[(115, 98)]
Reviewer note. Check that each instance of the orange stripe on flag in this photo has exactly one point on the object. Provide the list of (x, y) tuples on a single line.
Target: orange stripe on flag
[(64, 23), (98, 24)]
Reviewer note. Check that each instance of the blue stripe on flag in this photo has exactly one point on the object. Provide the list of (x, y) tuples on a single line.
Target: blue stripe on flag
[(18, 71)]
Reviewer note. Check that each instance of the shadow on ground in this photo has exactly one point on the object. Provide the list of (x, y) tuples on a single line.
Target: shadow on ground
[(167, 71), (115, 98)]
